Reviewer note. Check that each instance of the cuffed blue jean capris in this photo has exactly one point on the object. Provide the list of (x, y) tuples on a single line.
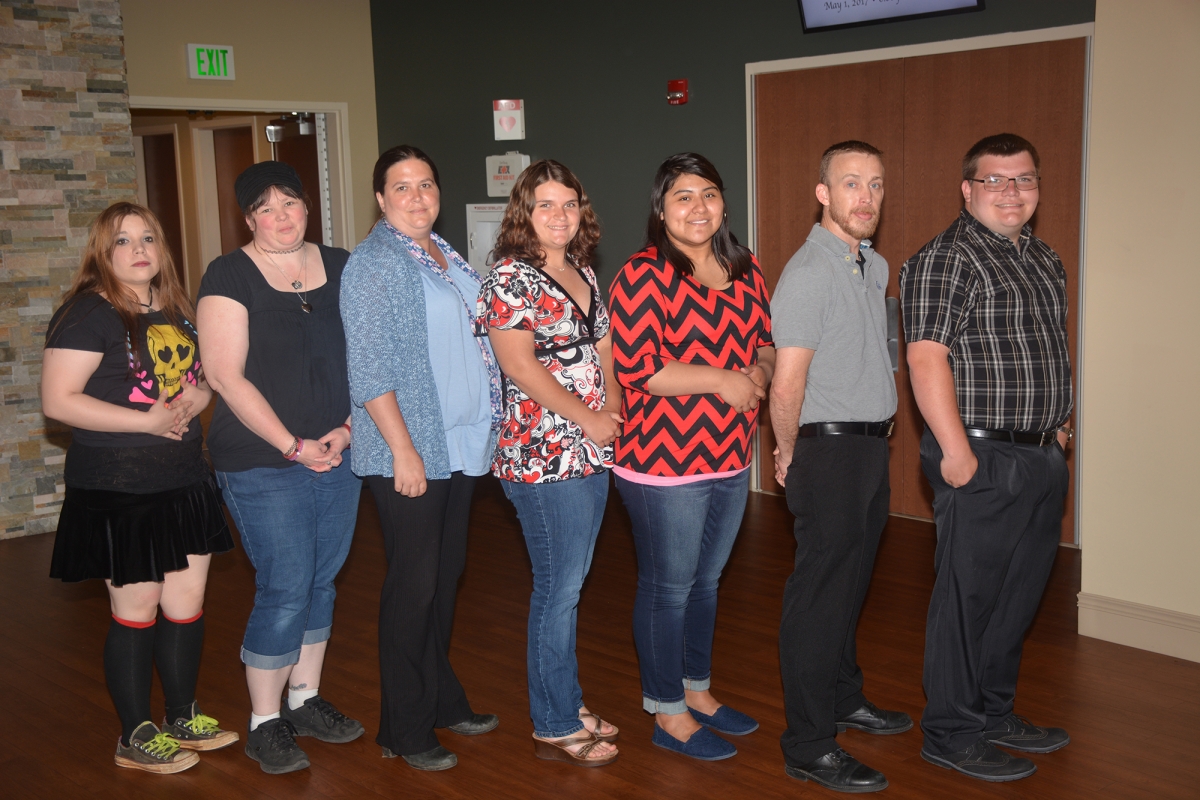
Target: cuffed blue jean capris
[(296, 526)]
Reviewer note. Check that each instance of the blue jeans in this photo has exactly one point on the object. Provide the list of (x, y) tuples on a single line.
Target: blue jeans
[(560, 521), (296, 526), (683, 536)]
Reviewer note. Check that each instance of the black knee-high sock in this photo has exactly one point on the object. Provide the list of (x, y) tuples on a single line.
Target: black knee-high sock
[(177, 650), (128, 670)]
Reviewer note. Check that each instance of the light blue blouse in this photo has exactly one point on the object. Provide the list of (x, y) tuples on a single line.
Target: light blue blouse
[(458, 370)]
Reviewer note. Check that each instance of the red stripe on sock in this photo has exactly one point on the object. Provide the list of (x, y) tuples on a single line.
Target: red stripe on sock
[(184, 621), (128, 623)]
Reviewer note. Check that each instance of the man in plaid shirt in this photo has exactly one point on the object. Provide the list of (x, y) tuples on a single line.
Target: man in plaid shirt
[(985, 312)]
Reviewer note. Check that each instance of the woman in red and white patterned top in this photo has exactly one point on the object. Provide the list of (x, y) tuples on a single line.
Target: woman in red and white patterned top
[(548, 326), (692, 347)]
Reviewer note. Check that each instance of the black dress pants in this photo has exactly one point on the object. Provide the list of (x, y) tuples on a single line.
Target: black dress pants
[(997, 538), (425, 541), (838, 490)]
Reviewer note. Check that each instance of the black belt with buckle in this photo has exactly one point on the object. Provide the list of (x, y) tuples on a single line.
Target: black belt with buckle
[(1015, 437), (880, 429)]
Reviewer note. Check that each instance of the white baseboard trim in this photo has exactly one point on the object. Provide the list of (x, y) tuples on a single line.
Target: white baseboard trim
[(1158, 630)]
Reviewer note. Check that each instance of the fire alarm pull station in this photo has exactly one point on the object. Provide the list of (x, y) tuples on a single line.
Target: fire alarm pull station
[(677, 92)]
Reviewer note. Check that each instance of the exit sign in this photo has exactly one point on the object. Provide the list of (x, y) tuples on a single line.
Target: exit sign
[(213, 62)]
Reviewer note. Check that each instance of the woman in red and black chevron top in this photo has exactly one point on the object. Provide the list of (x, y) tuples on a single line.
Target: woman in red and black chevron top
[(692, 348)]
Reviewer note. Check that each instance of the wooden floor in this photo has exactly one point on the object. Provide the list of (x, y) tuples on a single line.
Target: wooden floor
[(1131, 714)]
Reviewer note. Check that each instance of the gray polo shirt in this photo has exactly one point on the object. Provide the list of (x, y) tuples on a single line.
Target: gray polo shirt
[(823, 303)]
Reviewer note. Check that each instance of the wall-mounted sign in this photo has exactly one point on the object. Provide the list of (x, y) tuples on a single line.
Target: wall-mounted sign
[(211, 62), (502, 172), (828, 14), (508, 118)]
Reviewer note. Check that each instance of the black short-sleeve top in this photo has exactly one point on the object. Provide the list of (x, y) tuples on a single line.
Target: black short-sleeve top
[(296, 359), (130, 375)]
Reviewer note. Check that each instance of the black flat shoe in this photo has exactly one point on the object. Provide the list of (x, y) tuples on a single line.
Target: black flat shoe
[(984, 761), (476, 724), (872, 719), (1018, 733), (840, 772)]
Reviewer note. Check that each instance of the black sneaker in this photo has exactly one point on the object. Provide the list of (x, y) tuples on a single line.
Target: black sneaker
[(982, 760), (1018, 733), (273, 745), (317, 717), (152, 751)]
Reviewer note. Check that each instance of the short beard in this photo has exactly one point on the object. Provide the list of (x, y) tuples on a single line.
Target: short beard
[(852, 225)]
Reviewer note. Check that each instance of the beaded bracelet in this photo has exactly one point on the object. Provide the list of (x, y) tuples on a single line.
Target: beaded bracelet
[(294, 451)]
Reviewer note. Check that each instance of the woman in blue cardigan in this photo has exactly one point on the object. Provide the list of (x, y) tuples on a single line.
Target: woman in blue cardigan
[(426, 407)]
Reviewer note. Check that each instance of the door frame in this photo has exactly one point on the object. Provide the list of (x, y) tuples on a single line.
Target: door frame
[(341, 187), (1082, 31)]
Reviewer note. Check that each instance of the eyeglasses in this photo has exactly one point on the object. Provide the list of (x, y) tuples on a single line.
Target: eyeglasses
[(998, 183)]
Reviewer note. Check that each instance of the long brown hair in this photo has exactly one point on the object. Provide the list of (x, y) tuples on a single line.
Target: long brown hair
[(517, 238), (95, 275)]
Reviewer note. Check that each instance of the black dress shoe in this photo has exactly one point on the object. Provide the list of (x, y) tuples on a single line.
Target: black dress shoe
[(982, 760), (435, 760), (1018, 733), (840, 772), (476, 724), (872, 719)]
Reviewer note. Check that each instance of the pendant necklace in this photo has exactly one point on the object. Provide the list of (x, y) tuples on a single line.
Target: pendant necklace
[(297, 284), (151, 303)]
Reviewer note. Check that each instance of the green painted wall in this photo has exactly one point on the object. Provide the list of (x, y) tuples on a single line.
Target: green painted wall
[(593, 76)]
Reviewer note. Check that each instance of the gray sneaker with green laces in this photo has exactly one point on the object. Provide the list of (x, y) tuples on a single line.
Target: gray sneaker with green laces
[(200, 732), (153, 751)]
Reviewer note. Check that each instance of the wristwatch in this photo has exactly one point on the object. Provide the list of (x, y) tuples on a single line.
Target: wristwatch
[(1069, 431)]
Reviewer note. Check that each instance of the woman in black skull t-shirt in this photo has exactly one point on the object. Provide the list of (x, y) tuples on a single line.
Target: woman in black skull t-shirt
[(141, 509)]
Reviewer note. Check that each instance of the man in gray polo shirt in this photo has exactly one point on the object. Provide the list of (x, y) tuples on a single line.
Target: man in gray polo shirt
[(832, 400)]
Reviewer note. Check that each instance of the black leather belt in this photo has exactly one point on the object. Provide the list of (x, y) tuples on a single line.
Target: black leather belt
[(879, 429), (1015, 437)]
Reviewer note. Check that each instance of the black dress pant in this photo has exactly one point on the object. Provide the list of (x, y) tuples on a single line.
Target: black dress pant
[(425, 540), (837, 487), (997, 538)]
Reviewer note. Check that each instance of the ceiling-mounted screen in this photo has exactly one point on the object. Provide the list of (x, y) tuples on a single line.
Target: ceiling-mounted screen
[(823, 15)]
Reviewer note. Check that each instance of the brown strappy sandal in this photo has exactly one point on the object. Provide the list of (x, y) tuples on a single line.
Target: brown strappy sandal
[(557, 750), (604, 737)]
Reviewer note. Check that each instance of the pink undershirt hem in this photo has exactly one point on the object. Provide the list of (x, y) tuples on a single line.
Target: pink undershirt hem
[(671, 480)]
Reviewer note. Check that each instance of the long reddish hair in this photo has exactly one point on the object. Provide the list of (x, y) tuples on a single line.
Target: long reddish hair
[(96, 277)]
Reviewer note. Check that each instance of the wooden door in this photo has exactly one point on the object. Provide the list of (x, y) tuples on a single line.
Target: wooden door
[(300, 151), (233, 152), (923, 113), (162, 193)]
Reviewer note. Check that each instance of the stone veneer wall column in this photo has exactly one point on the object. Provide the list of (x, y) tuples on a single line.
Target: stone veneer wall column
[(67, 153)]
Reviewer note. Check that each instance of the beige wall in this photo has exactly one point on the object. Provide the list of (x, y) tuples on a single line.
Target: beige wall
[(314, 51), (1139, 467)]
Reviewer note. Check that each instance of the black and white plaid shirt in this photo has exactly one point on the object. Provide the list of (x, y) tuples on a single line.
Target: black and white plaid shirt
[(1002, 310)]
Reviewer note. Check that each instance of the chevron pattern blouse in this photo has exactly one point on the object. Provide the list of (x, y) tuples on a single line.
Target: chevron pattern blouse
[(659, 316)]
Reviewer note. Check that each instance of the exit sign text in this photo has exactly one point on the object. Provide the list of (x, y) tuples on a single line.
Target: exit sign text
[(212, 62)]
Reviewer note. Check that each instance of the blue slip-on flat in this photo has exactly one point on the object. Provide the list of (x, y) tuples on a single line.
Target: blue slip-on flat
[(703, 745), (726, 721)]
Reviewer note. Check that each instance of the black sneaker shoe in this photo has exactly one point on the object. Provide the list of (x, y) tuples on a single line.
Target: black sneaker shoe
[(982, 760), (151, 751), (273, 745), (200, 732), (1018, 733), (317, 717)]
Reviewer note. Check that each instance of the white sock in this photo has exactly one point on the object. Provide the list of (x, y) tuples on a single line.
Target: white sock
[(296, 697), (256, 720)]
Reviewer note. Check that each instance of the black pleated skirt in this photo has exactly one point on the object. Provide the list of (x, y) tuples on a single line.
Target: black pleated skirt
[(133, 538)]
